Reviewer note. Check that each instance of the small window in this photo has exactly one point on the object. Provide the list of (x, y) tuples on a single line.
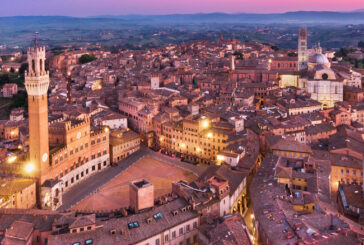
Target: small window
[(158, 216), (133, 225), (77, 243), (89, 241)]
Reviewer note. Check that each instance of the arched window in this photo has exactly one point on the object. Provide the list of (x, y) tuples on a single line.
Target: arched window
[(33, 66), (41, 65)]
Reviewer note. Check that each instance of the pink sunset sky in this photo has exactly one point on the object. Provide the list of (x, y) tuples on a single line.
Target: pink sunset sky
[(120, 7)]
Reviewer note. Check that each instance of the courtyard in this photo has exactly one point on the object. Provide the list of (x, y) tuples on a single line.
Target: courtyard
[(115, 193)]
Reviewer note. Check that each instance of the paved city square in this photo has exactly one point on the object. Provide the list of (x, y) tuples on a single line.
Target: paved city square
[(115, 193)]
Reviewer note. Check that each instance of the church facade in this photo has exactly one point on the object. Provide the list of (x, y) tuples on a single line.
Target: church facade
[(317, 78)]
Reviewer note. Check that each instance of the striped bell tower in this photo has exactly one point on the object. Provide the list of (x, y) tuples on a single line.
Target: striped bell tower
[(302, 49)]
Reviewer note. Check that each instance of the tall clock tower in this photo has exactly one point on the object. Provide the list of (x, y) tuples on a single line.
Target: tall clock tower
[(36, 83)]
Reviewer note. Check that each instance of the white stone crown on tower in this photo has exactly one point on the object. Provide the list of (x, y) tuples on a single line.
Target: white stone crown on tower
[(37, 78)]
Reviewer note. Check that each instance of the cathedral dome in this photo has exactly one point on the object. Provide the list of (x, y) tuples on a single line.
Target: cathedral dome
[(319, 59)]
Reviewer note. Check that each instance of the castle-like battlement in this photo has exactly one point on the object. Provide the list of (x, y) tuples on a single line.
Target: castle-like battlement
[(59, 151), (36, 85), (63, 125), (97, 132), (36, 78), (41, 73), (69, 126), (56, 121), (36, 49), (57, 126)]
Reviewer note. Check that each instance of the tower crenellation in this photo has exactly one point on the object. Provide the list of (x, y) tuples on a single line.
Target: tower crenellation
[(36, 78), (36, 61)]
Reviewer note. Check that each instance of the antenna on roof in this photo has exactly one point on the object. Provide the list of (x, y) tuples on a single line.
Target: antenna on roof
[(35, 38)]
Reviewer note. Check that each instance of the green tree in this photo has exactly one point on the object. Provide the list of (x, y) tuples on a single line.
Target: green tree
[(275, 48), (341, 53), (86, 58), (292, 54), (239, 55), (20, 100), (23, 68), (4, 79), (114, 50)]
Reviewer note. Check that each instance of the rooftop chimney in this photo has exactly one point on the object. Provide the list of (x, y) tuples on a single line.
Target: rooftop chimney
[(141, 195)]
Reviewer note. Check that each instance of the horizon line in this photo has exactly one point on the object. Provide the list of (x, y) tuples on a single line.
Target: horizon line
[(194, 13)]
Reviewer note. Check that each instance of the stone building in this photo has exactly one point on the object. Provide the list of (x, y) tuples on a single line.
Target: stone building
[(197, 139), (322, 83), (76, 152), (122, 144), (17, 193), (10, 89)]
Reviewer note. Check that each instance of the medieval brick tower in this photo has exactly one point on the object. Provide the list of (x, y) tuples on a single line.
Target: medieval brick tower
[(36, 83), (302, 49)]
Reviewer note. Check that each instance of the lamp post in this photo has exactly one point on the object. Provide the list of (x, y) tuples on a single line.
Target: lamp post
[(29, 168)]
